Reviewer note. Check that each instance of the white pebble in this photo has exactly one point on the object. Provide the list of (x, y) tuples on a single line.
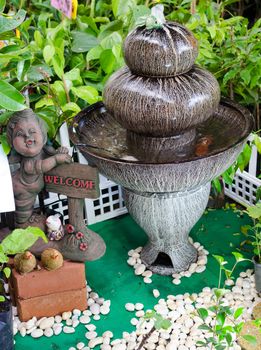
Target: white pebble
[(22, 331), (200, 269), (95, 309), (147, 280), (156, 293), (37, 333), (107, 334), (139, 306), (66, 315), (80, 346), (176, 281), (90, 327), (58, 319), (140, 269), (67, 329), (57, 330), (134, 321), (84, 319), (48, 332), (130, 307), (77, 312), (104, 309), (94, 342), (91, 335), (96, 317)]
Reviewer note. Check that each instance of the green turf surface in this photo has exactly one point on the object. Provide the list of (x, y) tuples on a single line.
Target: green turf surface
[(112, 278)]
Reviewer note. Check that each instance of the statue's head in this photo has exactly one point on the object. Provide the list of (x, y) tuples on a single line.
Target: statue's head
[(26, 132)]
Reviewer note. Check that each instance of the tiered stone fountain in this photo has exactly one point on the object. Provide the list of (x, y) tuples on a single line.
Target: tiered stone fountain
[(163, 135)]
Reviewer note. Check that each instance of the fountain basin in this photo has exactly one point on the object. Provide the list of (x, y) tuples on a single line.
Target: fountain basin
[(105, 143), (166, 189)]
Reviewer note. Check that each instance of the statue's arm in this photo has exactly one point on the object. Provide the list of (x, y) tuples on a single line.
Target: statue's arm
[(40, 166)]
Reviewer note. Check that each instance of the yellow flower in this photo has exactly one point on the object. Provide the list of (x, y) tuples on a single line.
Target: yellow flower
[(17, 33), (74, 8)]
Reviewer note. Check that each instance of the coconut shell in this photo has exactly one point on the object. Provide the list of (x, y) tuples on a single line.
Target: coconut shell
[(250, 329), (24, 262), (51, 259)]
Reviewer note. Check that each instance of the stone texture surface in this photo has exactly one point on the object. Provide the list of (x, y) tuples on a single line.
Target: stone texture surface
[(166, 51), (161, 106), (167, 219)]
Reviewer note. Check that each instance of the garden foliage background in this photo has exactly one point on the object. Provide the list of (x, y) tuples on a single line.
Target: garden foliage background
[(57, 66)]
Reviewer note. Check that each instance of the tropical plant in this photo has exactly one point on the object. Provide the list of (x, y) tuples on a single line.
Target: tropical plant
[(17, 241), (227, 326), (253, 232)]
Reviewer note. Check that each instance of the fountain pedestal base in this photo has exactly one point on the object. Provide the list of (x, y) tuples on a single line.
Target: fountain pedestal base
[(167, 219)]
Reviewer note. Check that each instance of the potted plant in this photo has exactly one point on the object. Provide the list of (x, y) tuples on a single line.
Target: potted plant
[(16, 242), (254, 233)]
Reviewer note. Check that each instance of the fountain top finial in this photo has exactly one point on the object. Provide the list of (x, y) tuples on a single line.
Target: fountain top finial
[(159, 48)]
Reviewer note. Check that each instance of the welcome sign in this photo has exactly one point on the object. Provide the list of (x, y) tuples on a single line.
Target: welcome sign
[(73, 180)]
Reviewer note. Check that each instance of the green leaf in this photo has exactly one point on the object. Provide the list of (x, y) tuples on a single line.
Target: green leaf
[(48, 53), (12, 22), (3, 257), (230, 75), (205, 327), (74, 76), (45, 101), (10, 98), (58, 89), (257, 143), (203, 313), (2, 5), (107, 61), (212, 31), (7, 272), (245, 75), (165, 324), (83, 42), (2, 298), (244, 229), (21, 239), (216, 183), (71, 106), (94, 53), (5, 144), (250, 338), (221, 317), (254, 211), (219, 292), (109, 41), (238, 312), (239, 257), (220, 259), (122, 7), (87, 93), (4, 117), (39, 72)]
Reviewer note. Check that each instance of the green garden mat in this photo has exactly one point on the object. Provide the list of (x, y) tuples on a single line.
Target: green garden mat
[(112, 278)]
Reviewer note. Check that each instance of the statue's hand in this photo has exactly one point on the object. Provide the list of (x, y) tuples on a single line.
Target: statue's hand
[(62, 158), (62, 150)]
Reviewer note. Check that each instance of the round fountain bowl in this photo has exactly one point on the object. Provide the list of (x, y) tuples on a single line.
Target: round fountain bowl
[(104, 142), (163, 106), (166, 51)]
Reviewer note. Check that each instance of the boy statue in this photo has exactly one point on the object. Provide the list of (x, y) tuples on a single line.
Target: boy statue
[(27, 135)]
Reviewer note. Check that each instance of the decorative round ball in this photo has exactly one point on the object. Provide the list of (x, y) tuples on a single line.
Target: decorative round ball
[(51, 259), (24, 262), (166, 51), (161, 106)]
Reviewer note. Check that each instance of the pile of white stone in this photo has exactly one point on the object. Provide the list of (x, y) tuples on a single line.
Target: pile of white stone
[(134, 260), (181, 311), (67, 322)]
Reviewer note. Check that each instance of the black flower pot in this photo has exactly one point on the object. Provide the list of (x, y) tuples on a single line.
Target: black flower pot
[(257, 268), (6, 325)]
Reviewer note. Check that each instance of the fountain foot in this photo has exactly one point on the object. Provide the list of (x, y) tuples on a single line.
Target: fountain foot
[(171, 260), (167, 219)]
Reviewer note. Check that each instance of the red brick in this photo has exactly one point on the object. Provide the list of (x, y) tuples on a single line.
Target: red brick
[(52, 304), (71, 276)]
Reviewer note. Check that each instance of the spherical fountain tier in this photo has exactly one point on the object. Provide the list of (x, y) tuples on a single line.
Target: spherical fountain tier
[(166, 190), (166, 51), (161, 106)]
